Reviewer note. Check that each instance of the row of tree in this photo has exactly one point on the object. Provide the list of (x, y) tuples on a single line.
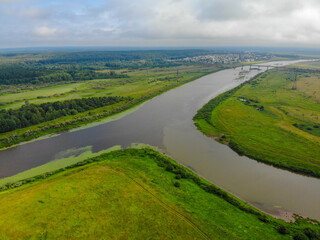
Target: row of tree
[(85, 57), (32, 114), (85, 65), (21, 74)]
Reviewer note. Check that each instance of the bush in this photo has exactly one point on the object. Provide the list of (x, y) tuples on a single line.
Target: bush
[(312, 234), (263, 218), (161, 164), (169, 168), (178, 176), (176, 184), (234, 146), (300, 236), (282, 230)]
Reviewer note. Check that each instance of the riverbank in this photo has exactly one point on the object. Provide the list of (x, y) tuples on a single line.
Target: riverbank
[(142, 86), (115, 188), (272, 118)]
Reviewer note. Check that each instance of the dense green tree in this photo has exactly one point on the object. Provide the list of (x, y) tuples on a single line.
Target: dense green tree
[(31, 114)]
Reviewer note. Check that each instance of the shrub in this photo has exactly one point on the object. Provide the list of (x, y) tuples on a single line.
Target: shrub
[(263, 218), (282, 230), (300, 236), (176, 184), (178, 176), (312, 234), (234, 146), (161, 164), (169, 168)]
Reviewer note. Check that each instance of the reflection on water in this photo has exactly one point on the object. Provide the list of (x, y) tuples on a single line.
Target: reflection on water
[(166, 122)]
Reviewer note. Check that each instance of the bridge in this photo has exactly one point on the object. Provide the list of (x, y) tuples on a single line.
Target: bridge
[(286, 67), (261, 66)]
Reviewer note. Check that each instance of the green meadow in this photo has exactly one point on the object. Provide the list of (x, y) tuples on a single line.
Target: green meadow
[(274, 118), (133, 194), (307, 65)]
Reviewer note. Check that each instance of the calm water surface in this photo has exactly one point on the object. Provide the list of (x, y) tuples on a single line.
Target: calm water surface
[(166, 122)]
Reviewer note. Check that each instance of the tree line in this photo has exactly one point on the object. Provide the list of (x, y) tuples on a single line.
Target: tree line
[(85, 57), (22, 74), (32, 114)]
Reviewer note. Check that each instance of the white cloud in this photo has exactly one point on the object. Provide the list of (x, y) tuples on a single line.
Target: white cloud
[(45, 31), (165, 22)]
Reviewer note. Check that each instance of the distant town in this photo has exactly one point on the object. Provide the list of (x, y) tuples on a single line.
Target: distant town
[(228, 58)]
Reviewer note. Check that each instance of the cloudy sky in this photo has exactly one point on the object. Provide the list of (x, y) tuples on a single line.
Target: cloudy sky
[(26, 23)]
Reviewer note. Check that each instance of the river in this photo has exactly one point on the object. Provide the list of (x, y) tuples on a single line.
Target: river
[(166, 121)]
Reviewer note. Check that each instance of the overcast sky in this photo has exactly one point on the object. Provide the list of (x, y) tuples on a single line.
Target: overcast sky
[(25, 23)]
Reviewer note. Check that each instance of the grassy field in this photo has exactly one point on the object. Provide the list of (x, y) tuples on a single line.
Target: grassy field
[(37, 96), (133, 194), (140, 85), (271, 119), (307, 65)]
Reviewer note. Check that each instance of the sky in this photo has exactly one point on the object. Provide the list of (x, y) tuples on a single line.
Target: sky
[(147, 23)]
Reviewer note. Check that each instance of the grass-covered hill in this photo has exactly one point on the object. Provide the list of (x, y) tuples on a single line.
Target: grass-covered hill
[(133, 194)]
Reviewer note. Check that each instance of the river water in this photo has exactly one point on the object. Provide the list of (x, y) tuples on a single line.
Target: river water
[(166, 121)]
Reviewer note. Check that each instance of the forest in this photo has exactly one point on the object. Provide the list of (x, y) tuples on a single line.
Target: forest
[(47, 67), (22, 74)]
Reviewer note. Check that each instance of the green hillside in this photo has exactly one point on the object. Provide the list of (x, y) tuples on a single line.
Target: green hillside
[(131, 194)]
